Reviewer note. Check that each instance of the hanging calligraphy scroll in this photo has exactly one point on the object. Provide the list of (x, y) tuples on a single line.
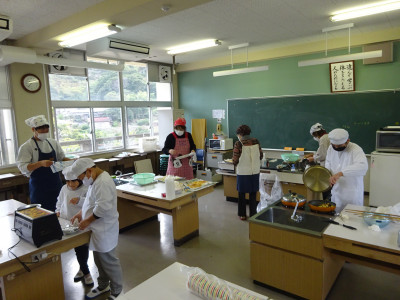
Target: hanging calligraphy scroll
[(342, 76)]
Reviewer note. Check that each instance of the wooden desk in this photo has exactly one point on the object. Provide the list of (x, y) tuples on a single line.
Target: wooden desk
[(15, 186), (45, 281), (134, 200), (170, 283), (363, 246)]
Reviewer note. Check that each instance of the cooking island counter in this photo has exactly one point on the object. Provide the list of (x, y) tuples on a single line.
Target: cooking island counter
[(281, 253), (138, 203)]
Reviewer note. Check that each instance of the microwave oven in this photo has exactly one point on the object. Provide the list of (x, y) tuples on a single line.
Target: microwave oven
[(388, 140), (217, 144)]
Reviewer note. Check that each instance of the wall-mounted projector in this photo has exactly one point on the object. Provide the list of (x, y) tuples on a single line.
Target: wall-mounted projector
[(6, 27), (117, 49)]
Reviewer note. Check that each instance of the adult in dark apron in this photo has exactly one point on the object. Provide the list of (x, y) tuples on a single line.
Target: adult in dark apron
[(44, 185)]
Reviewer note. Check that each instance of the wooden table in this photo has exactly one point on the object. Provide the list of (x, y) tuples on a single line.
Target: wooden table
[(363, 246), (136, 203), (170, 283), (45, 280)]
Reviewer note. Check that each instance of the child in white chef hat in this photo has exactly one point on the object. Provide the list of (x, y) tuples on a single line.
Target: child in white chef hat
[(69, 203)]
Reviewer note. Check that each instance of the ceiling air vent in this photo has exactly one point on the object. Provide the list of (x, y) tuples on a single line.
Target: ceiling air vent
[(117, 49)]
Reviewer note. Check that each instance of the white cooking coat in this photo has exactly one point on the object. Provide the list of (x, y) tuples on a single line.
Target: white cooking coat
[(66, 209), (101, 199), (249, 160), (352, 162), (320, 155)]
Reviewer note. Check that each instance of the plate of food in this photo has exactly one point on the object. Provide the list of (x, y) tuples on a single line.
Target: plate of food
[(228, 161), (196, 184), (162, 178)]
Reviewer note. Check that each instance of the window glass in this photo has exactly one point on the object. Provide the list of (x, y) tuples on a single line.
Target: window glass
[(108, 128), (103, 85), (73, 129), (64, 87), (138, 119), (7, 138), (154, 121), (135, 82), (160, 91)]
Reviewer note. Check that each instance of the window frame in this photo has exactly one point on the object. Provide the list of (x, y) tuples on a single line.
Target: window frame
[(3, 140), (122, 104)]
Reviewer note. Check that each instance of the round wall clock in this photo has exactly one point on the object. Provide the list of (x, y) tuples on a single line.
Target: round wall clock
[(31, 83)]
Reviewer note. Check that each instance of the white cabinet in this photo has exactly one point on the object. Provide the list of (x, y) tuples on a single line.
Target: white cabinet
[(384, 179), (213, 157), (166, 119)]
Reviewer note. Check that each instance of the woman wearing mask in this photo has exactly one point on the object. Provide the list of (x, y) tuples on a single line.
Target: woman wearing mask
[(178, 143), (247, 155), (320, 135), (34, 159)]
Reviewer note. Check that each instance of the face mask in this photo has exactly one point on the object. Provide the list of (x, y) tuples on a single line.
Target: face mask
[(42, 136), (339, 148), (87, 181), (316, 139), (179, 132)]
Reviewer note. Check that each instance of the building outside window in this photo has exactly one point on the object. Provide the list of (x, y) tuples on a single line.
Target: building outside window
[(8, 142), (101, 110)]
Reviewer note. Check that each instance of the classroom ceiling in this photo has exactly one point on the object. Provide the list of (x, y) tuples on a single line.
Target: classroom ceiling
[(262, 23)]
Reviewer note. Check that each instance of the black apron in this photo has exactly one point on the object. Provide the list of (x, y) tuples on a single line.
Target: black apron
[(44, 185)]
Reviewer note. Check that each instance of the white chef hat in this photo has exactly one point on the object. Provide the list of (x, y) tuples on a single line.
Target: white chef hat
[(316, 127), (68, 174), (81, 165), (338, 136), (36, 121)]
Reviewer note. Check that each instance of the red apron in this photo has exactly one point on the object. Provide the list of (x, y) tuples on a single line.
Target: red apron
[(182, 147)]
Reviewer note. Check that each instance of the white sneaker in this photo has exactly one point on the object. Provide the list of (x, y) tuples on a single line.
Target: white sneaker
[(96, 292), (78, 276), (88, 280)]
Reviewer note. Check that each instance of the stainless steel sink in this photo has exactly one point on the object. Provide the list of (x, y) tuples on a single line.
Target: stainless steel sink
[(279, 216), (120, 181)]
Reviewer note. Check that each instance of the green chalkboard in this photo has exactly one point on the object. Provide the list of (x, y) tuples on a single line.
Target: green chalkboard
[(280, 122)]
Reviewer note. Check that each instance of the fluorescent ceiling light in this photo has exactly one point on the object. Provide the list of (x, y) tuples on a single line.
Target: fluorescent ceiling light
[(339, 58), (193, 46), (233, 71), (240, 71), (88, 34), (11, 54), (365, 10)]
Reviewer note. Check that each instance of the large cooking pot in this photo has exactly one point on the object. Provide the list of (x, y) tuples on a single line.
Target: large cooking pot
[(316, 178), (291, 199), (324, 206)]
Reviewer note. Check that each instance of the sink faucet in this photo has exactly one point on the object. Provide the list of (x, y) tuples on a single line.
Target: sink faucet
[(119, 174)]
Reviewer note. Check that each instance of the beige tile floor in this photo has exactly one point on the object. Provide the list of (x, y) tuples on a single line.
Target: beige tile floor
[(221, 249)]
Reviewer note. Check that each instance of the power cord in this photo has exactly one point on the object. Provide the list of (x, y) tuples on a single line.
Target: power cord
[(23, 263)]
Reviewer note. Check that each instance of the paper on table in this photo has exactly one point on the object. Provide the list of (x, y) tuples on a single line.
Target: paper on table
[(2, 176)]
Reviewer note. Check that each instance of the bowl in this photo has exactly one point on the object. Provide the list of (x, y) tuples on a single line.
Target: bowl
[(143, 178), (373, 219), (290, 157)]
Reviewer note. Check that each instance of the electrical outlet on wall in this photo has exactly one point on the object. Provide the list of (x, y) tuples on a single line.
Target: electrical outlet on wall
[(39, 256)]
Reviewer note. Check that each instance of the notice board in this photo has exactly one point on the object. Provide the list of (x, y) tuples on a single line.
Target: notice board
[(279, 122)]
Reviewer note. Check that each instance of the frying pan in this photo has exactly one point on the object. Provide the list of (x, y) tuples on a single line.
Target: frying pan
[(316, 178), (291, 199), (322, 205)]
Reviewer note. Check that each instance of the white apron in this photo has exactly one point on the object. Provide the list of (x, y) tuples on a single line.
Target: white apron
[(249, 160)]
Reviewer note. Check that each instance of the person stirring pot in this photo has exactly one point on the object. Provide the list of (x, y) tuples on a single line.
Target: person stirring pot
[(34, 159), (178, 143)]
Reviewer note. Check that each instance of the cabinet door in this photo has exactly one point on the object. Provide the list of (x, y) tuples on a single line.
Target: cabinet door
[(384, 183), (213, 159)]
